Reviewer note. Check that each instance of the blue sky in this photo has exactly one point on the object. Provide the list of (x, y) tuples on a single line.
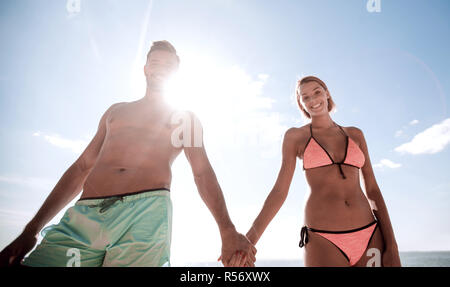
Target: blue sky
[(387, 71)]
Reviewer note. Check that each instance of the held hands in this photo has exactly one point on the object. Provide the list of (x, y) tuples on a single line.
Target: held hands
[(240, 259), (13, 254), (237, 250)]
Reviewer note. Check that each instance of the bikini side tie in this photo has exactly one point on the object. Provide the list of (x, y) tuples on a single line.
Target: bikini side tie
[(303, 237)]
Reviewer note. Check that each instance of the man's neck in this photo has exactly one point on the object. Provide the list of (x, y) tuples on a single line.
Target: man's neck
[(154, 100), (153, 95)]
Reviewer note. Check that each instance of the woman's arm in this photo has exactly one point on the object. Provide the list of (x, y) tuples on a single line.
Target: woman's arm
[(280, 190), (377, 203)]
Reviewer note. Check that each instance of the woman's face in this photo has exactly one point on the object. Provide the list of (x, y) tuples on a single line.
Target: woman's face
[(314, 98)]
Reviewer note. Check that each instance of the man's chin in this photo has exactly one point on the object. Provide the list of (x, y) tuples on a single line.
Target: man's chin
[(156, 85), (156, 81)]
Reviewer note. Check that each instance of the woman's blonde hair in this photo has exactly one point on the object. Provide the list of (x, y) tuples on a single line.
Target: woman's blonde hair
[(331, 104)]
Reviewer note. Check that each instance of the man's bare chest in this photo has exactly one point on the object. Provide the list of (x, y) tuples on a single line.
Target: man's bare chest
[(139, 127)]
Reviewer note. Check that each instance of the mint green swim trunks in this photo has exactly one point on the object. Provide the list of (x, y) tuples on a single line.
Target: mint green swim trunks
[(128, 230)]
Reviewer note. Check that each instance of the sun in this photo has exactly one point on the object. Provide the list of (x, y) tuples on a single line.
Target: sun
[(228, 101), (214, 90), (195, 86)]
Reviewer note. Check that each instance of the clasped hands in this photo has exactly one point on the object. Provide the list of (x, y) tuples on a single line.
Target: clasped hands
[(237, 251)]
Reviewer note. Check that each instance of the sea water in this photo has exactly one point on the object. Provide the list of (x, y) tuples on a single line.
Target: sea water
[(408, 259)]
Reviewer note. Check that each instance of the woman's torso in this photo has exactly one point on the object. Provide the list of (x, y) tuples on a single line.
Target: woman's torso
[(334, 202)]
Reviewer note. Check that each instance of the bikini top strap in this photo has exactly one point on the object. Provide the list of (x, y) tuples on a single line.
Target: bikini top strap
[(310, 129), (342, 129)]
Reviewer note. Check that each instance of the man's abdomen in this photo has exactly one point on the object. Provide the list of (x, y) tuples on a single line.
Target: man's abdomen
[(107, 179)]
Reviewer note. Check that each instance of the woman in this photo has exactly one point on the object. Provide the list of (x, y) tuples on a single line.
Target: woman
[(341, 223)]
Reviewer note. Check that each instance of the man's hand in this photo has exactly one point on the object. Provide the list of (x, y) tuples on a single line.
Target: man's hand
[(13, 254), (234, 242), (240, 259)]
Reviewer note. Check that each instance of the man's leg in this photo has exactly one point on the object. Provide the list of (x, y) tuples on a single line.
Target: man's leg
[(145, 234), (70, 242)]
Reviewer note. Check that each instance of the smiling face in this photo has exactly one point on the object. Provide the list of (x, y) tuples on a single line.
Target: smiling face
[(160, 66), (314, 98)]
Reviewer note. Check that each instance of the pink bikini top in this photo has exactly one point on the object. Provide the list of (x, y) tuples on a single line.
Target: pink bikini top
[(316, 156)]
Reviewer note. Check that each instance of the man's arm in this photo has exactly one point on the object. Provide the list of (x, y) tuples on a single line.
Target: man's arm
[(211, 193), (72, 181), (67, 188)]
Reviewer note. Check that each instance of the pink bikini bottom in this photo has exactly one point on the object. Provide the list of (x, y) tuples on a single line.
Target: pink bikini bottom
[(352, 243)]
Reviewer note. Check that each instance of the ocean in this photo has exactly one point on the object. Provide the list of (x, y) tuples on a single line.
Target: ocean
[(408, 259)]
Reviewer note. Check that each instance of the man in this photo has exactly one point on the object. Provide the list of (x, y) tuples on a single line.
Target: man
[(124, 215)]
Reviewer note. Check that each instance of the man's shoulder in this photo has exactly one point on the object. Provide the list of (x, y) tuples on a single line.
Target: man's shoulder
[(184, 114), (116, 105)]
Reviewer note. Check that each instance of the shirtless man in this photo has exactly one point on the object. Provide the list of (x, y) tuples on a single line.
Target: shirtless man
[(124, 215)]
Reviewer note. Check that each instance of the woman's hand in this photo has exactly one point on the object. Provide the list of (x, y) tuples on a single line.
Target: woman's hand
[(240, 259), (233, 243)]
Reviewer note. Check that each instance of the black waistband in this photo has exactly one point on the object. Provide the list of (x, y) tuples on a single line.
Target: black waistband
[(305, 229), (122, 195), (342, 231)]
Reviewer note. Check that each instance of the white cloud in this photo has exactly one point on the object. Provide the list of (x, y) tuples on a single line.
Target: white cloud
[(430, 141), (27, 181), (76, 146), (263, 77), (230, 103), (401, 132), (16, 219), (16, 213), (413, 122), (398, 133), (387, 163)]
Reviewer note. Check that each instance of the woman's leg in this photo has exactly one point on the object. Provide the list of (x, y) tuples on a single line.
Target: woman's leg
[(320, 252), (373, 256)]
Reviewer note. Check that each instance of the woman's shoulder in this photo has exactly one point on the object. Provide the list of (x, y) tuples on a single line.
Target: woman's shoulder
[(299, 135), (354, 132), (298, 131)]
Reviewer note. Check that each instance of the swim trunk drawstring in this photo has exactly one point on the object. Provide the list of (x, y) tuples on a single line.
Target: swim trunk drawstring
[(107, 203)]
